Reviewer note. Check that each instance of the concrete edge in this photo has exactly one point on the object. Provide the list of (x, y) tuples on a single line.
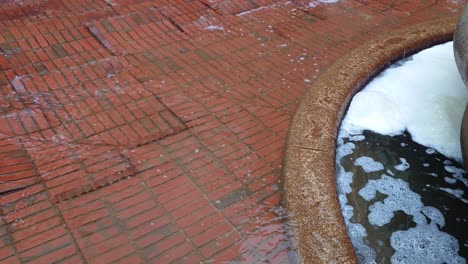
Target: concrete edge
[(309, 166)]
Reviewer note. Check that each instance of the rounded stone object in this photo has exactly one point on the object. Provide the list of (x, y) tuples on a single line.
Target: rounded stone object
[(460, 44), (460, 49), (309, 167)]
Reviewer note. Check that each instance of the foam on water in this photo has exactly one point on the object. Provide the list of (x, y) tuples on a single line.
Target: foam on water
[(403, 166), (450, 180), (400, 197), (425, 244), (344, 184), (457, 174), (400, 99), (357, 138), (356, 232), (404, 98), (368, 164), (455, 192)]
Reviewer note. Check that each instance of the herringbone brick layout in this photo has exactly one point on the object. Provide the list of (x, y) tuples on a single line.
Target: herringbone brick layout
[(138, 131)]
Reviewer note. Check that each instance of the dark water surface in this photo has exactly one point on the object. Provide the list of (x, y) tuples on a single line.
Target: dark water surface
[(431, 175)]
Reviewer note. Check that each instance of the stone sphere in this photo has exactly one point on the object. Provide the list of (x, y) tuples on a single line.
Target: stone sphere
[(460, 45)]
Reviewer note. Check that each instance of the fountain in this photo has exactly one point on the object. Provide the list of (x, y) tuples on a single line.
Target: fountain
[(399, 178), (309, 169)]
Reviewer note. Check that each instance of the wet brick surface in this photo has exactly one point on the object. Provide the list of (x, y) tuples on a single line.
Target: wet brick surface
[(153, 131)]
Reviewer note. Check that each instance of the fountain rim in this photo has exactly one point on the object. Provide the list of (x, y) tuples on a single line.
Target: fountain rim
[(309, 185)]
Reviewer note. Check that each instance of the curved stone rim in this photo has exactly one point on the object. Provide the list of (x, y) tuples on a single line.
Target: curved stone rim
[(309, 165)]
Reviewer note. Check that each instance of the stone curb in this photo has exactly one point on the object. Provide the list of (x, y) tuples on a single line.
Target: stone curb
[(309, 166)]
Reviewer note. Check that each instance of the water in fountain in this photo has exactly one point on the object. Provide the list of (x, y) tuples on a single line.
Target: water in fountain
[(400, 182)]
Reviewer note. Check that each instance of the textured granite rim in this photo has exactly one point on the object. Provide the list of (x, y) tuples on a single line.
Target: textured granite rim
[(309, 167)]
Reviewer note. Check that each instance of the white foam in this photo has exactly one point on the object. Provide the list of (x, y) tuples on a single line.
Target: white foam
[(214, 28), (368, 164), (430, 151), (345, 150), (455, 192), (430, 109), (399, 197), (424, 96), (344, 179), (357, 138), (450, 180), (356, 233), (404, 165), (457, 173), (424, 243), (434, 214), (454, 170), (318, 2)]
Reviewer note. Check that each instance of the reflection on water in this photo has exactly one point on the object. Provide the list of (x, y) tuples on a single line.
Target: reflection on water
[(277, 242), (403, 202), (267, 237)]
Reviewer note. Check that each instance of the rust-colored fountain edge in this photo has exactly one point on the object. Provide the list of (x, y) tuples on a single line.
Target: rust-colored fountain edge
[(309, 167)]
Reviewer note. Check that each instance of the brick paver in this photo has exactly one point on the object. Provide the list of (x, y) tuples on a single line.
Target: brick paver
[(153, 131)]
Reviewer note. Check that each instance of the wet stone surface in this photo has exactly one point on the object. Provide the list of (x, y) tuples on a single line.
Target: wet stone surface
[(142, 131)]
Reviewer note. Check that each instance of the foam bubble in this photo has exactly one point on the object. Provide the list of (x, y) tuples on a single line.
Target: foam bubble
[(368, 164), (450, 180), (430, 151), (344, 184), (458, 174), (403, 166), (345, 150), (344, 179), (424, 244), (401, 98), (434, 214), (455, 192), (356, 232), (399, 197), (357, 137), (454, 170)]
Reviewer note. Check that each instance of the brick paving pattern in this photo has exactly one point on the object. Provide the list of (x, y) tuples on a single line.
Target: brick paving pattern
[(137, 131)]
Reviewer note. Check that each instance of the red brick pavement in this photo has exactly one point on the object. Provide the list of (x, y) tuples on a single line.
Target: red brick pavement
[(153, 131)]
